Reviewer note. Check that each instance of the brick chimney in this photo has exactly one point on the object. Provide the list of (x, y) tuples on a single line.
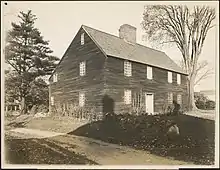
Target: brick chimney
[(128, 33)]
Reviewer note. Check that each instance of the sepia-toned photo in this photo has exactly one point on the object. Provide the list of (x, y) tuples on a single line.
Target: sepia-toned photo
[(112, 84)]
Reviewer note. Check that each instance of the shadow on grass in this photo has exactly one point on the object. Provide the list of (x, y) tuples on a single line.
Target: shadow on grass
[(195, 143), (40, 151), (15, 122)]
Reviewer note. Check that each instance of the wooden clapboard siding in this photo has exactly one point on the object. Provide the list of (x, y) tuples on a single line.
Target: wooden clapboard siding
[(70, 83), (116, 82), (105, 76)]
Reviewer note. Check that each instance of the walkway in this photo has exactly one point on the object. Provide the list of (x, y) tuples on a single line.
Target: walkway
[(101, 152)]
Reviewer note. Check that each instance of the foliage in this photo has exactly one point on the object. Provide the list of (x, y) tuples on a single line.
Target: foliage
[(148, 132), (12, 84), (185, 27), (202, 102), (28, 54), (75, 111), (38, 90), (38, 94)]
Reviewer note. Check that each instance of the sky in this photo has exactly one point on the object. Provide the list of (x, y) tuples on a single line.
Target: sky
[(59, 22)]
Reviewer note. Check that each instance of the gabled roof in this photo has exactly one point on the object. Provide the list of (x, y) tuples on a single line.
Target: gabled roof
[(116, 47)]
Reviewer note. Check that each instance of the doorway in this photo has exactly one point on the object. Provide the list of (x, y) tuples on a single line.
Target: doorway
[(149, 102)]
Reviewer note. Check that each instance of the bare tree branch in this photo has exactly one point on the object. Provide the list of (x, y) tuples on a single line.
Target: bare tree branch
[(187, 28)]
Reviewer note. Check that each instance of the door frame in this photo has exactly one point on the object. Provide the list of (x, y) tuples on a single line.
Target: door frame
[(149, 93)]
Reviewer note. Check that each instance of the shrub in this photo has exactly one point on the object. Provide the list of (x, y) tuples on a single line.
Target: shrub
[(202, 102), (75, 111), (210, 105)]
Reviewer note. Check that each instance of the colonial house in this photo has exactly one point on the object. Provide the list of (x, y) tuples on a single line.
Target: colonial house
[(113, 73)]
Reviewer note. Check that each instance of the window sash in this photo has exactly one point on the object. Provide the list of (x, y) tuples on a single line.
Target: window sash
[(81, 99), (179, 99), (127, 96), (127, 68), (82, 67), (149, 72), (170, 98), (52, 100), (55, 77), (170, 77), (178, 79), (82, 39)]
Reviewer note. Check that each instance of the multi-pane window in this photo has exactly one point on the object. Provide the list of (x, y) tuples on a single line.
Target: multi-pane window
[(82, 68), (137, 100), (178, 79), (52, 100), (81, 99), (127, 96), (179, 99), (127, 68), (149, 72), (170, 77), (170, 98), (55, 77), (82, 39)]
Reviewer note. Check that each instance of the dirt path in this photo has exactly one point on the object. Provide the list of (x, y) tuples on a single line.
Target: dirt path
[(95, 150)]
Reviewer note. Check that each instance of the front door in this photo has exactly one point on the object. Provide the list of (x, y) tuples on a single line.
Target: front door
[(149, 102)]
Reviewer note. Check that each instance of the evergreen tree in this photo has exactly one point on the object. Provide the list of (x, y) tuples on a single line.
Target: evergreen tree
[(28, 54)]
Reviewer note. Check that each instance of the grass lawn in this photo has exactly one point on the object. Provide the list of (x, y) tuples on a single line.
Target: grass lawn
[(195, 144), (40, 151)]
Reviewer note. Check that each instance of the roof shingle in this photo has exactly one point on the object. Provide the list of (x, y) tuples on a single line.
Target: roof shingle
[(117, 47)]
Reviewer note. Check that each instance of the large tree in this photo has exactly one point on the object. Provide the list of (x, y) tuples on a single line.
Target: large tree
[(38, 93), (28, 54), (185, 27)]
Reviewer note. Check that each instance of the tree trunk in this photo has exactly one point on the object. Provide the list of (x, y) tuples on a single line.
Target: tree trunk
[(23, 106), (191, 101)]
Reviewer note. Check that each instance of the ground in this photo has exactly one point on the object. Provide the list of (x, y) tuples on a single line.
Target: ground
[(29, 140)]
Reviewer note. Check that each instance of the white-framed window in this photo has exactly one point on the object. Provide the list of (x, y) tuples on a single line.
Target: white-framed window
[(81, 99), (127, 96), (82, 39), (170, 77), (170, 98), (178, 79), (179, 98), (82, 68), (127, 68), (149, 72), (55, 77), (52, 100)]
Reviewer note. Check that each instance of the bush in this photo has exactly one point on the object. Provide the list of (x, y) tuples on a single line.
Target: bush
[(202, 102), (75, 111), (210, 105)]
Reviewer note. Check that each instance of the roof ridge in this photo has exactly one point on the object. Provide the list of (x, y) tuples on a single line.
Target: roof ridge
[(117, 39), (122, 39), (101, 31)]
